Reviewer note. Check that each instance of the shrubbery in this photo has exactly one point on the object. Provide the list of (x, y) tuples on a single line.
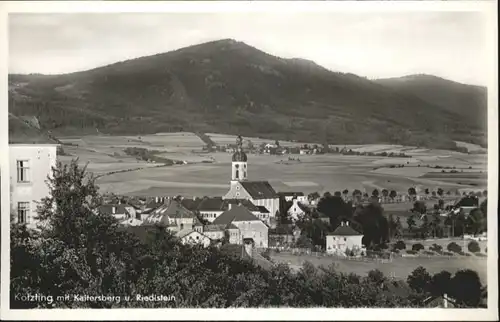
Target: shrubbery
[(417, 247), (411, 252), (400, 245), (454, 247), (448, 253), (436, 248), (473, 247)]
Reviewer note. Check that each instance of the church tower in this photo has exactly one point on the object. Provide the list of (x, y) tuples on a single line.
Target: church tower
[(239, 163)]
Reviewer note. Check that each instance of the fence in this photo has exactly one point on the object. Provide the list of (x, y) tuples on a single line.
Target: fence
[(370, 257)]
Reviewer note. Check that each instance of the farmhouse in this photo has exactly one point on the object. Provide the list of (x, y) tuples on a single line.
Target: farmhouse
[(248, 225), (260, 193), (296, 210), (289, 196), (344, 238), (193, 237), (30, 165), (218, 232), (119, 211), (174, 216)]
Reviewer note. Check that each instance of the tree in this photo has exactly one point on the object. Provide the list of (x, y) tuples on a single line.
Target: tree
[(440, 192), (400, 245), (375, 193), (385, 193), (376, 276), (419, 280), (393, 194), (419, 207), (476, 222), (441, 204), (454, 247), (411, 222), (466, 288), (375, 226), (412, 192), (398, 231), (417, 247), (440, 283), (335, 208), (356, 195), (337, 194), (473, 247), (427, 191)]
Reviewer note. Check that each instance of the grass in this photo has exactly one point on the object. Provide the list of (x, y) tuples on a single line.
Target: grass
[(401, 267)]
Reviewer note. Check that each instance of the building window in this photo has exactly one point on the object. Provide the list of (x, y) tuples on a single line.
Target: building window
[(345, 239), (237, 173), (23, 209), (23, 168)]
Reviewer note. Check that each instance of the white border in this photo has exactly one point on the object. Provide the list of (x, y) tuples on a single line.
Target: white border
[(489, 7)]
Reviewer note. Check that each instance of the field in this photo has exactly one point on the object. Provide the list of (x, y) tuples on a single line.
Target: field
[(399, 267), (209, 173)]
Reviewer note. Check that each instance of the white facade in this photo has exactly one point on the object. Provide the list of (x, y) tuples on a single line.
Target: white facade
[(195, 237), (30, 166), (210, 216), (295, 211), (339, 244), (256, 230)]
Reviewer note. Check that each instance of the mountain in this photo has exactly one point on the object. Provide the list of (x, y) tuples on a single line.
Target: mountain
[(229, 87), (469, 101)]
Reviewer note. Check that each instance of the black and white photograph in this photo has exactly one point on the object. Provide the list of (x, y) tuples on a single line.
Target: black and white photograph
[(192, 159)]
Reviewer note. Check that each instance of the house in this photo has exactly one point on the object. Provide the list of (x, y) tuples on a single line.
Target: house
[(342, 239), (260, 193), (263, 214), (174, 217), (289, 196), (131, 222), (218, 232), (193, 237), (248, 225), (30, 165), (296, 210), (283, 235), (119, 211)]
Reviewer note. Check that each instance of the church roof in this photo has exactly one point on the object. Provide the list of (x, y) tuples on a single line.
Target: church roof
[(259, 189), (237, 213), (344, 231)]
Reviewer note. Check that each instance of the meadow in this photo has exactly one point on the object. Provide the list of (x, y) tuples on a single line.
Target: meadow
[(399, 267), (209, 173)]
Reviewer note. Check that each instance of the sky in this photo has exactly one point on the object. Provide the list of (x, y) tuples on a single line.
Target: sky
[(451, 45)]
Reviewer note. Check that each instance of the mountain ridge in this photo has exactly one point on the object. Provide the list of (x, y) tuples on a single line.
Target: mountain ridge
[(230, 87)]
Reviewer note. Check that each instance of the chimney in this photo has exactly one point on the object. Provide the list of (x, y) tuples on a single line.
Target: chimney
[(113, 210), (229, 206), (347, 223), (156, 199)]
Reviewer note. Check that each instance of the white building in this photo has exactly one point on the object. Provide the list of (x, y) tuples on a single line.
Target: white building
[(296, 210), (342, 239), (193, 237), (30, 166)]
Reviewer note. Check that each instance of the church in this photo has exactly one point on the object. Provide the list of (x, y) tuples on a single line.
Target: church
[(260, 193)]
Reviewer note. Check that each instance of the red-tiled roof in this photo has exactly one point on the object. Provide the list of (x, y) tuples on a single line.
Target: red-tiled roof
[(236, 213), (259, 189)]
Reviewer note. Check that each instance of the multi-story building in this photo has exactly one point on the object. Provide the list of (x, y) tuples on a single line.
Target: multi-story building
[(30, 167)]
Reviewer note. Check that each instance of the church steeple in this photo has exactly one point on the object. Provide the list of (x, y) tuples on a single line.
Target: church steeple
[(239, 162)]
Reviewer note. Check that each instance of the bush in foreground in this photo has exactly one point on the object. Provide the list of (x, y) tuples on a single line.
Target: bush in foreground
[(473, 247), (417, 247)]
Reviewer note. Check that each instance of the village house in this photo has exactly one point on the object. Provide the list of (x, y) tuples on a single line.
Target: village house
[(219, 232), (174, 217), (296, 210), (342, 239), (119, 211), (193, 237), (289, 196), (248, 225), (283, 235), (30, 165)]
